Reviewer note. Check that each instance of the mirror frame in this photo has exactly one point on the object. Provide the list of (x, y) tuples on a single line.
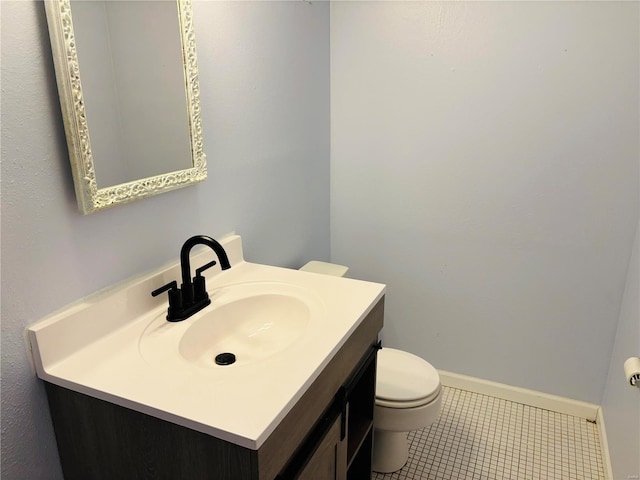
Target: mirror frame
[(91, 198)]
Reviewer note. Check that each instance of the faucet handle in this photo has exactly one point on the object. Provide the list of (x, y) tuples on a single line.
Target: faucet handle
[(204, 267), (169, 286), (175, 299), (199, 287)]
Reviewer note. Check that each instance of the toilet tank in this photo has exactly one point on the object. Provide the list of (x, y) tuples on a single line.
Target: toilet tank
[(325, 268)]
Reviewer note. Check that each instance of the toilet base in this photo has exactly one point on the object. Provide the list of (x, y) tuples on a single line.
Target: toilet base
[(390, 451)]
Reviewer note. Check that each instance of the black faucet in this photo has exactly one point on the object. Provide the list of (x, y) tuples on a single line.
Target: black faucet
[(192, 296)]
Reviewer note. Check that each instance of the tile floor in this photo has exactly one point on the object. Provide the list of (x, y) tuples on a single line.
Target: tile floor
[(487, 438)]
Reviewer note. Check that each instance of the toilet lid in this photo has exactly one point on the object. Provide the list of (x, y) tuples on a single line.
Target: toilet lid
[(404, 378)]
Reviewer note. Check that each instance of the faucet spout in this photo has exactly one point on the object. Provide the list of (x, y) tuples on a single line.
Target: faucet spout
[(191, 297), (185, 262)]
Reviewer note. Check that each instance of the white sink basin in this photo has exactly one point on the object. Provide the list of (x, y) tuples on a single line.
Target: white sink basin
[(253, 321), (251, 329)]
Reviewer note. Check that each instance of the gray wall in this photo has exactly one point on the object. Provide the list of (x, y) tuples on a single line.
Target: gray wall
[(265, 107), (484, 164), (621, 402)]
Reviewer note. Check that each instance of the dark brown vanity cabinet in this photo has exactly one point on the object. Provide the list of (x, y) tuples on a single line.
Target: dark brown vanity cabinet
[(323, 454), (329, 460), (360, 397), (328, 434), (339, 446)]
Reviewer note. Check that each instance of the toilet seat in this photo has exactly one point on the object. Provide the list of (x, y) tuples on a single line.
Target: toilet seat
[(404, 380), (411, 404)]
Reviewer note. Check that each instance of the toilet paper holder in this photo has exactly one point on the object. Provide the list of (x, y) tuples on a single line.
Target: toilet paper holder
[(632, 371)]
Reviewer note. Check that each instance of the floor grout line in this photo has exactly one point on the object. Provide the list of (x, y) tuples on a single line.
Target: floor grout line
[(487, 438)]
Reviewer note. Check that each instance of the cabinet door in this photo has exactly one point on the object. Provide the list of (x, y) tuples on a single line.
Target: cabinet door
[(329, 462)]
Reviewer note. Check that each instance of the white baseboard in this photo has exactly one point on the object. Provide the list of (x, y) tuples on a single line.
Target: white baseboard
[(604, 445), (533, 398)]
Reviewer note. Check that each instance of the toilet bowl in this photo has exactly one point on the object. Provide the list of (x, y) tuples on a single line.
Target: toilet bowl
[(408, 397)]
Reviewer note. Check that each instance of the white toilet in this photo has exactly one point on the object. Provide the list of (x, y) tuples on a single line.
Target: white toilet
[(408, 395)]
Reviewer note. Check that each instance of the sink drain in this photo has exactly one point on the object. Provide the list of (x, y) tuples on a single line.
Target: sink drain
[(225, 358)]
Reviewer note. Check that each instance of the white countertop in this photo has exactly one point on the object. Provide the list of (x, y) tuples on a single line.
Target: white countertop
[(94, 347)]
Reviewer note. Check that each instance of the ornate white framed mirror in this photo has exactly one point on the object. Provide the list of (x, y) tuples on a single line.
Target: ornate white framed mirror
[(127, 78)]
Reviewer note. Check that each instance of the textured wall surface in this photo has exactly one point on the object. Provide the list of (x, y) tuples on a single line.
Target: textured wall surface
[(265, 107), (484, 164)]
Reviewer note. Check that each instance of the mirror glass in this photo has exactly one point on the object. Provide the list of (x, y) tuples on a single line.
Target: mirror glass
[(127, 78), (134, 97)]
